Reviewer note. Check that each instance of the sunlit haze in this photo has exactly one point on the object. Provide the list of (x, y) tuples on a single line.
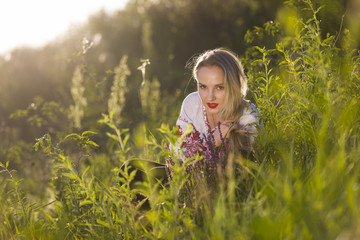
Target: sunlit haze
[(36, 22)]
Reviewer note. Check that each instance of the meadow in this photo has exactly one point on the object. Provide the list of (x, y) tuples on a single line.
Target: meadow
[(301, 182)]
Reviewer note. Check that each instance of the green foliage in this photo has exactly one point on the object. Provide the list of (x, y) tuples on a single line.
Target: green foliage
[(121, 136), (302, 182), (77, 93), (299, 87), (21, 214), (42, 114), (116, 100)]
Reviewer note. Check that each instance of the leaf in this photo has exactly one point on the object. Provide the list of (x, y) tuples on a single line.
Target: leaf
[(70, 175), (36, 146), (112, 136), (262, 50), (74, 136), (84, 173), (126, 139), (85, 202), (91, 143), (105, 224), (88, 133), (125, 130), (50, 217)]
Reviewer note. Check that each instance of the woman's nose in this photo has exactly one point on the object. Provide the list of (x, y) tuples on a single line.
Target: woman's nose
[(211, 96)]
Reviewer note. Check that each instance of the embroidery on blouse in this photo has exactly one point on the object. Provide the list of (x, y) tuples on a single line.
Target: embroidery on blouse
[(205, 119), (183, 119), (204, 113)]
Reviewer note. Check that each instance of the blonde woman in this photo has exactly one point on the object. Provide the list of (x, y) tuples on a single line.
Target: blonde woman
[(218, 107), (219, 103)]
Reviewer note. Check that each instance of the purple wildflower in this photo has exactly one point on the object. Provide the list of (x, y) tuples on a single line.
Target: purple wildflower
[(213, 157), (168, 169)]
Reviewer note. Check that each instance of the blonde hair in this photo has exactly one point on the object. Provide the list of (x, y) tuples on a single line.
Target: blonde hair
[(235, 81)]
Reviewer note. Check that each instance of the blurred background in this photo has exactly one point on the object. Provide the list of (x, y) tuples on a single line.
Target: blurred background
[(37, 65)]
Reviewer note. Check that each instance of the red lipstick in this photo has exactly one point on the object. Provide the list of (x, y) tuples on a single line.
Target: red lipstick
[(212, 105)]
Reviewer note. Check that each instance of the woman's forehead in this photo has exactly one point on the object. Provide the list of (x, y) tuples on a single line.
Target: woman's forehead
[(210, 72)]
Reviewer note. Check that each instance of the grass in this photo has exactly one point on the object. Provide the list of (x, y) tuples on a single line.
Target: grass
[(302, 183)]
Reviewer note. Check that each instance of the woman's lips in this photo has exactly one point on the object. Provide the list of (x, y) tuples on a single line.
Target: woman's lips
[(212, 105)]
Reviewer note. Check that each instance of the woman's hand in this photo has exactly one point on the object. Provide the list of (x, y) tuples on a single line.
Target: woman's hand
[(225, 128)]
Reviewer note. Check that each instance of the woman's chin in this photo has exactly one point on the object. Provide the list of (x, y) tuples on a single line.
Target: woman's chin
[(212, 110)]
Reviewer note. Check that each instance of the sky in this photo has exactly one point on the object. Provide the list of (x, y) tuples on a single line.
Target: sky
[(33, 23)]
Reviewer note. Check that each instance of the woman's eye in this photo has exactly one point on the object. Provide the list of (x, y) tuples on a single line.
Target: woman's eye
[(220, 87), (202, 86)]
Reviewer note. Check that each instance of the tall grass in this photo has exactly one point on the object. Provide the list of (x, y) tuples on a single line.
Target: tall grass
[(302, 183)]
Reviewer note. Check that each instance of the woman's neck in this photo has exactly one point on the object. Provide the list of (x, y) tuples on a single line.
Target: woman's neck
[(213, 120)]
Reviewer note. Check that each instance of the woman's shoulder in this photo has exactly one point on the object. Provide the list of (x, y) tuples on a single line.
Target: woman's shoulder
[(250, 114), (191, 112), (192, 98), (250, 108), (192, 102)]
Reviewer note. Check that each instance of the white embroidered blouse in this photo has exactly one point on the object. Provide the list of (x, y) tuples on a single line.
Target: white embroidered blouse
[(193, 111)]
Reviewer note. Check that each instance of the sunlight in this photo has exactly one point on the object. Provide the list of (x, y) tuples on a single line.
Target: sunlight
[(33, 23)]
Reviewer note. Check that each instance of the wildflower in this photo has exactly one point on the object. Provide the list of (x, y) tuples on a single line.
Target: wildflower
[(211, 158)]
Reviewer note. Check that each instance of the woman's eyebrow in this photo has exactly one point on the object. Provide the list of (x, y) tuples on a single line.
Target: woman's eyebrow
[(219, 84), (215, 84)]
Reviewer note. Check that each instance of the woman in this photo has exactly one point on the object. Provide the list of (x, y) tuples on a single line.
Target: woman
[(218, 107), (219, 103)]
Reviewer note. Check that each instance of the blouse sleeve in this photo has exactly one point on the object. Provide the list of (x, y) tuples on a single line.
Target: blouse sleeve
[(188, 112), (184, 119)]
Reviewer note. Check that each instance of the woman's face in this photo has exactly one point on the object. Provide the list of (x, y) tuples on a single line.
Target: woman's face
[(211, 88)]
